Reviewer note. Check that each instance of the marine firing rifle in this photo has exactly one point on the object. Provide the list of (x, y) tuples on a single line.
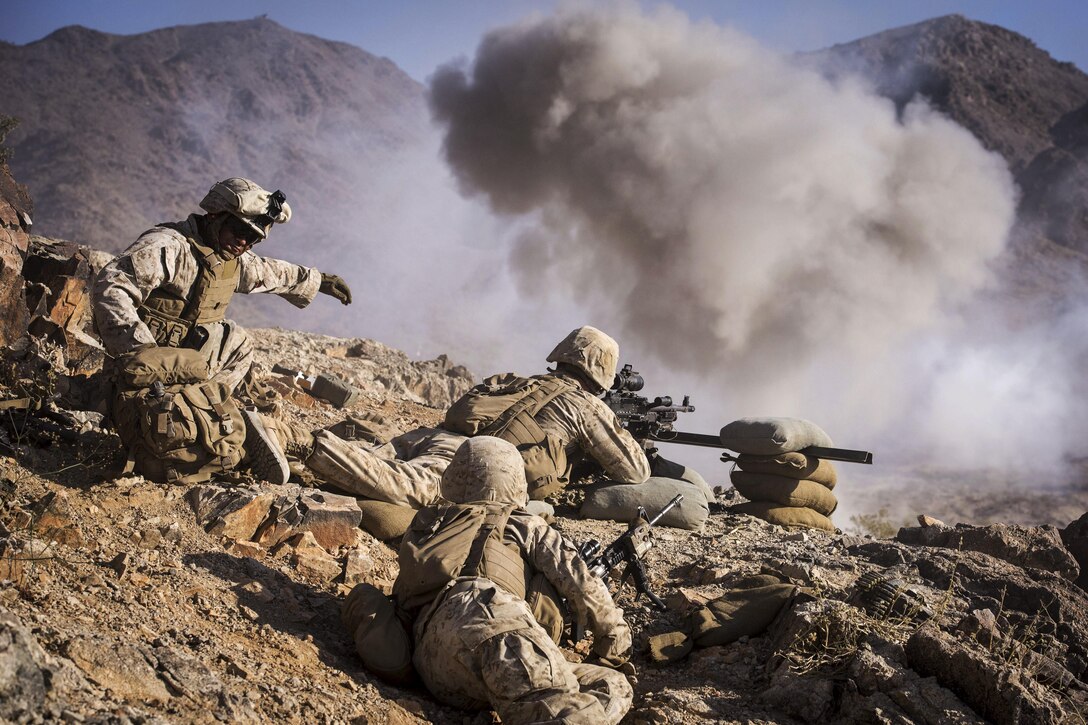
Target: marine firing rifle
[(629, 547), (652, 420)]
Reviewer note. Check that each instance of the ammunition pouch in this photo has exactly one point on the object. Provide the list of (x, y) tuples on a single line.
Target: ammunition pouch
[(178, 428)]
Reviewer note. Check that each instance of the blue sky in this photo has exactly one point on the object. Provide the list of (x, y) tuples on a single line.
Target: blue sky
[(419, 35)]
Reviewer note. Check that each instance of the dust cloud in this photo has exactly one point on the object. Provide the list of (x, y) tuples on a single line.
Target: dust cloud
[(772, 241)]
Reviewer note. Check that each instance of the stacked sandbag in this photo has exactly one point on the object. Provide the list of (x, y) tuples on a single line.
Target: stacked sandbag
[(782, 485)]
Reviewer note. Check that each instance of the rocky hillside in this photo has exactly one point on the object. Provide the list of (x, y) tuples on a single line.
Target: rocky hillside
[(127, 601), (118, 132), (1009, 93)]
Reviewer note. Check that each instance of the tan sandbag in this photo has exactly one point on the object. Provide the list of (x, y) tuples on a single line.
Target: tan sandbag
[(742, 611), (784, 491), (670, 647), (791, 465), (620, 502), (692, 476), (771, 436), (381, 638), (385, 520), (785, 515)]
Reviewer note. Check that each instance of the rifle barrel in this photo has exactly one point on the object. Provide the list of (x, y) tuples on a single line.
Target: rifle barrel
[(845, 455), (668, 507)]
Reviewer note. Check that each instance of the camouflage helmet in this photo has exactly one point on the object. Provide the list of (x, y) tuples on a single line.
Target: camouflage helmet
[(249, 202), (591, 351), (486, 469)]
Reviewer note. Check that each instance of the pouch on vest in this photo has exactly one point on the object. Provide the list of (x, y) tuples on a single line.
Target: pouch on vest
[(380, 634), (177, 430), (547, 606)]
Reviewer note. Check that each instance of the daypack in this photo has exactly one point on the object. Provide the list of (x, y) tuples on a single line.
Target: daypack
[(505, 406), (457, 540), (454, 540), (178, 426)]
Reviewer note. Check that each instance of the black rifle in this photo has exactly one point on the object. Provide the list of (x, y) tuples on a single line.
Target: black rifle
[(652, 420), (629, 547)]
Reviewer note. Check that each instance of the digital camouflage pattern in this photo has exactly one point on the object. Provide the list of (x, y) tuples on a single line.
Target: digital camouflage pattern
[(405, 471), (591, 351), (478, 644), (162, 258)]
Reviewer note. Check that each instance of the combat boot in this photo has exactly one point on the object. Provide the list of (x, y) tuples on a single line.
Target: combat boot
[(296, 442), (264, 454)]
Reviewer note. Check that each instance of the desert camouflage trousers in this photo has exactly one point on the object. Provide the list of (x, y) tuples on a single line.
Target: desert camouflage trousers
[(482, 647), (229, 352), (406, 471)]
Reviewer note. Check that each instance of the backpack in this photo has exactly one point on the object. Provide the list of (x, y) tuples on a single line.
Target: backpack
[(450, 541), (505, 406), (178, 426)]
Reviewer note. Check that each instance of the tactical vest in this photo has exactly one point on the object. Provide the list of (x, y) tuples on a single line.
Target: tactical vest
[(448, 542), (172, 317), (506, 407)]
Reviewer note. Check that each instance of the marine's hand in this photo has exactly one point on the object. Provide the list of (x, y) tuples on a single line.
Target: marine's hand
[(614, 648), (334, 286)]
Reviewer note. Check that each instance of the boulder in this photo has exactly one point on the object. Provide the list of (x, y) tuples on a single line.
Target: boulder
[(1039, 547), (15, 221), (1075, 538)]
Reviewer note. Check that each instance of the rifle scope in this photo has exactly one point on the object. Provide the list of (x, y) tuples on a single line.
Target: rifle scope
[(627, 379)]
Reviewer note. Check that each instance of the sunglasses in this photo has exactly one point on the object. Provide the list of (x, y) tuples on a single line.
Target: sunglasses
[(242, 231)]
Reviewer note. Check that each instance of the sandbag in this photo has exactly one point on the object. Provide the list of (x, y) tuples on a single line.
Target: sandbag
[(384, 520), (670, 647), (791, 465), (771, 436), (784, 491), (381, 638), (620, 502), (785, 515), (744, 611)]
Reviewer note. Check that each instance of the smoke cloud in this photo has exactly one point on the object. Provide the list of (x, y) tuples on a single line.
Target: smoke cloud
[(782, 243)]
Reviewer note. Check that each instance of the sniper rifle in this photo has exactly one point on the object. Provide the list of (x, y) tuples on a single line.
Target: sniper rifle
[(652, 420)]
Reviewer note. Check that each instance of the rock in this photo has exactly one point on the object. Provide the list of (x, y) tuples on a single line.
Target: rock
[(919, 699), (332, 519), (15, 215), (120, 563), (52, 519), (245, 548), (235, 513), (998, 691), (806, 698), (1075, 538), (23, 684), (309, 557), (357, 565), (284, 518), (128, 670), (1040, 547)]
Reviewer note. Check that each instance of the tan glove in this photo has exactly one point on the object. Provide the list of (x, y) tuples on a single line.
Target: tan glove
[(613, 648)]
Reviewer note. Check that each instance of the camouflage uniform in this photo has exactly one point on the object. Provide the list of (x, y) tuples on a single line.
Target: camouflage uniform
[(578, 421), (162, 258), (406, 470), (478, 644)]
